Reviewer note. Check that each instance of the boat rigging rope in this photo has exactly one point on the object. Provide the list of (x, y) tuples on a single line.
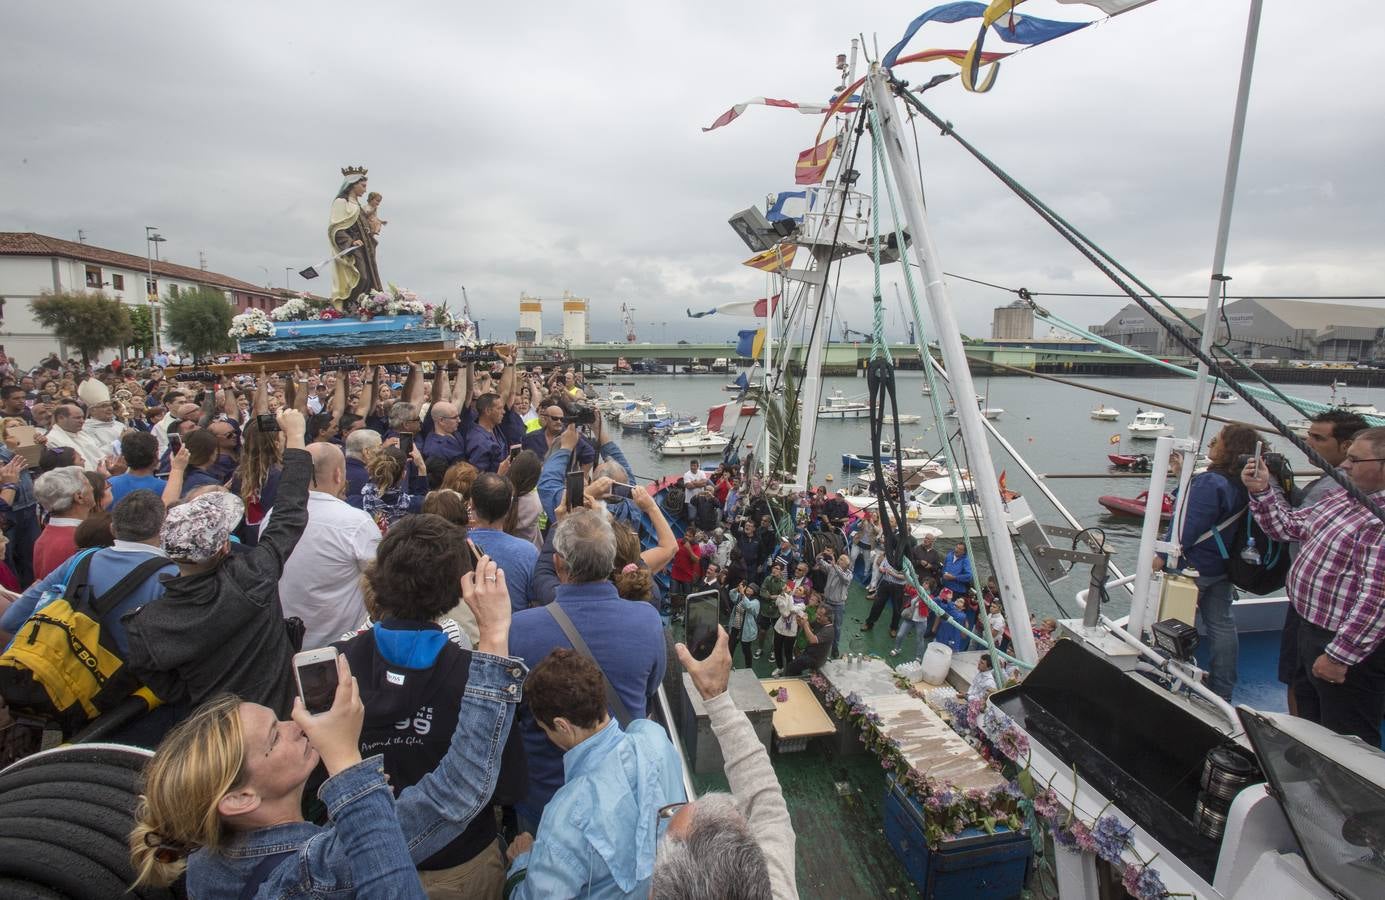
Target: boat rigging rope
[(984, 638), (1083, 246)]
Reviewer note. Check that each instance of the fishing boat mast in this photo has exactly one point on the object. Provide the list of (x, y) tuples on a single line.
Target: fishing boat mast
[(982, 469)]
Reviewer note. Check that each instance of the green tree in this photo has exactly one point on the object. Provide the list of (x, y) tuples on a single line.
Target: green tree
[(196, 321), (141, 330), (88, 321)]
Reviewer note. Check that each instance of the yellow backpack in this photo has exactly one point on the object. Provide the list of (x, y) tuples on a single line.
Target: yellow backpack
[(63, 664)]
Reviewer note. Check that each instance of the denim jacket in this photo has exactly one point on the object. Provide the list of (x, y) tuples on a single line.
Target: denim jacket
[(24, 493), (555, 466), (599, 832), (374, 841)]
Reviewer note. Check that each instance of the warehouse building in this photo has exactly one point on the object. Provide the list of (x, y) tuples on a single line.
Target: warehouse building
[(1258, 328)]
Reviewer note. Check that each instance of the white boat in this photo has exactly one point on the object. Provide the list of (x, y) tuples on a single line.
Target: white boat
[(1300, 427), (643, 416), (991, 412), (1148, 426), (1104, 413), (613, 400), (1223, 397), (837, 405), (933, 508), (902, 419), (698, 442)]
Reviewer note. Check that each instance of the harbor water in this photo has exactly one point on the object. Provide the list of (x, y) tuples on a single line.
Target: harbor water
[(1048, 423)]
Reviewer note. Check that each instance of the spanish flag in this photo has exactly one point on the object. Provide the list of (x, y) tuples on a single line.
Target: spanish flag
[(1116, 438), (813, 162), (775, 258)]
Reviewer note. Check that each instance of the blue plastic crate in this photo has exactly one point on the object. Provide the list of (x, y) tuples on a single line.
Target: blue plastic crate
[(973, 864)]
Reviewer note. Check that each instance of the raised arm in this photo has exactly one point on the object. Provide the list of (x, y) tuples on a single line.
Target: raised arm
[(749, 774), (413, 385), (338, 406), (260, 404), (506, 390), (230, 406), (440, 388), (659, 556), (285, 526)]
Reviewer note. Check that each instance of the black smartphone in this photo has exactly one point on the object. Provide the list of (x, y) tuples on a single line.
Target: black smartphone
[(406, 443), (576, 485), (620, 489), (703, 616), (175, 443), (266, 422), (316, 673)]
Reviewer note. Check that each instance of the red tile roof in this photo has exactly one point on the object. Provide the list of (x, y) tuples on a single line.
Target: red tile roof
[(27, 243)]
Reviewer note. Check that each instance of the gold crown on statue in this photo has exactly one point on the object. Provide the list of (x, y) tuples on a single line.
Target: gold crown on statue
[(353, 170)]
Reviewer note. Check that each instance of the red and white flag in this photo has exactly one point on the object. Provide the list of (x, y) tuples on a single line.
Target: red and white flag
[(734, 112), (723, 418)]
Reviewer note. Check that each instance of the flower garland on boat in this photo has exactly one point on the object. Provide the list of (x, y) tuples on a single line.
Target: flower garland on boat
[(252, 323), (950, 811), (1106, 835)]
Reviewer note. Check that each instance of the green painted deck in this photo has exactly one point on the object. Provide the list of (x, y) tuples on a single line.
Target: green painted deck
[(835, 802)]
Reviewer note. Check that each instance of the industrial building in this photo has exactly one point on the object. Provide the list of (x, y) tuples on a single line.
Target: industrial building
[(576, 322), (1013, 322), (1258, 328)]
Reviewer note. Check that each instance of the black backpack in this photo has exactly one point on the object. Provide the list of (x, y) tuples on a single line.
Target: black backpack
[(1263, 577)]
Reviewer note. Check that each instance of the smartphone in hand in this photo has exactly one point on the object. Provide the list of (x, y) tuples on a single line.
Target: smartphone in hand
[(315, 672), (703, 615), (576, 485)]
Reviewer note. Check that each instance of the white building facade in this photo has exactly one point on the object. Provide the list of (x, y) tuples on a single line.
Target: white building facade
[(34, 264)]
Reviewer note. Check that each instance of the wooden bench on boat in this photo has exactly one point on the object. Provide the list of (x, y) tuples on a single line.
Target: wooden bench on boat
[(798, 718)]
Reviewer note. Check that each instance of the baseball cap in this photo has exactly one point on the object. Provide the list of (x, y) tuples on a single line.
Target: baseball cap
[(195, 531)]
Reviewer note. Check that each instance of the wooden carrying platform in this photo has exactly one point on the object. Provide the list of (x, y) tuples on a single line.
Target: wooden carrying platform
[(384, 355), (800, 717)]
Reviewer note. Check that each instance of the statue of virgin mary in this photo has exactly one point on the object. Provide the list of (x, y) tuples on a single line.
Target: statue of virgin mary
[(354, 273)]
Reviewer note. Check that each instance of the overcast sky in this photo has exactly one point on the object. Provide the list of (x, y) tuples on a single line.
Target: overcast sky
[(545, 146)]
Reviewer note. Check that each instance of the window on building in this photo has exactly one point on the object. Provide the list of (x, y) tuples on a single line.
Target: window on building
[(118, 282), (151, 287), (94, 277)]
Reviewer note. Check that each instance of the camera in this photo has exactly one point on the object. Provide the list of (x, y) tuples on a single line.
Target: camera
[(1276, 463), (266, 422), (484, 353), (580, 415)]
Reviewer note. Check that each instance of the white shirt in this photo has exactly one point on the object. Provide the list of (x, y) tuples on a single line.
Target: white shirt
[(688, 478), (321, 583), (104, 436), (981, 685), (84, 442)]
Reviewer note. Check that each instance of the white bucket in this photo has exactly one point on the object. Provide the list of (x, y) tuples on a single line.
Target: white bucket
[(937, 660)]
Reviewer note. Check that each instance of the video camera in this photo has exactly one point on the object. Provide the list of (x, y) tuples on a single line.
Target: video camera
[(580, 415), (482, 353), (1277, 464)]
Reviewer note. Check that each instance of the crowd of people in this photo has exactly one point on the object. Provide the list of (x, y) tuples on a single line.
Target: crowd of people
[(499, 643)]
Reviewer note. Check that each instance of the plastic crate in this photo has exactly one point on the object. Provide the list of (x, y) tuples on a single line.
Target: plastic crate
[(973, 864)]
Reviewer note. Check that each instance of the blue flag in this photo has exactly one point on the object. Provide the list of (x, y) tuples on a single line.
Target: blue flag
[(745, 345)]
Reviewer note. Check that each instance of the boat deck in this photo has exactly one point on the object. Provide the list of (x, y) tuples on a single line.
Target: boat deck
[(836, 802)]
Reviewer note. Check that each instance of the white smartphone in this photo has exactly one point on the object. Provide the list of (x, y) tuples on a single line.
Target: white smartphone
[(316, 674), (1259, 457)]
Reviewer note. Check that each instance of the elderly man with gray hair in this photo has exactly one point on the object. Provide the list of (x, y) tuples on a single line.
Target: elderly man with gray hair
[(66, 494), (737, 846), (587, 614), (361, 445)]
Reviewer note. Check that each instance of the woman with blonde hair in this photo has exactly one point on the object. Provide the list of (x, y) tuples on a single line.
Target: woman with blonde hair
[(223, 795), (460, 476)]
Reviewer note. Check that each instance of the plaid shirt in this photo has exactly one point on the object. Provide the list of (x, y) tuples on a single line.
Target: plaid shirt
[(1337, 581)]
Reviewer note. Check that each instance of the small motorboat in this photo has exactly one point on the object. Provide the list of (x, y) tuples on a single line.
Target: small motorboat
[(837, 405), (699, 442), (901, 419), (1126, 506), (1223, 397), (1148, 426), (1131, 462), (1104, 413)]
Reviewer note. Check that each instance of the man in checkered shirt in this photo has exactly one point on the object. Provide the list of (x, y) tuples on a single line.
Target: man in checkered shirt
[(1337, 584)]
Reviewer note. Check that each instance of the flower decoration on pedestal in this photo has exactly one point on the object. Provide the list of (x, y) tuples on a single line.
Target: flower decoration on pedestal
[(252, 323)]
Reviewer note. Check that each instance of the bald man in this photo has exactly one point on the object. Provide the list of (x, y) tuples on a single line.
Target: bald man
[(322, 578), (445, 440)]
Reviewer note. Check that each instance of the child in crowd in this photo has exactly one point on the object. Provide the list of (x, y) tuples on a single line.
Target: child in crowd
[(790, 607), (915, 619)]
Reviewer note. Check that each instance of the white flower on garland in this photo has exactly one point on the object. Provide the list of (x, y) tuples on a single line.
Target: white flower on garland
[(251, 324), (292, 310)]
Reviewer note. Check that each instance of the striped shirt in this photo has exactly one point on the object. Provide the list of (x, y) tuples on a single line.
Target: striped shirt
[(1337, 581)]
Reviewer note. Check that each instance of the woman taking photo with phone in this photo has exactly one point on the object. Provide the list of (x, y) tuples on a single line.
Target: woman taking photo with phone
[(223, 795)]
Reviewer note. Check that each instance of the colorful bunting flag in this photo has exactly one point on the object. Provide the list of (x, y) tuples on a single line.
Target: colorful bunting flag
[(773, 259), (743, 307), (749, 344), (813, 162)]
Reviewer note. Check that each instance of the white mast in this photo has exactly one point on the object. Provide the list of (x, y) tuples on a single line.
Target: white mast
[(1002, 552), (823, 249)]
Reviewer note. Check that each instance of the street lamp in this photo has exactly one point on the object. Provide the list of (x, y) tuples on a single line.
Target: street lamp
[(152, 239)]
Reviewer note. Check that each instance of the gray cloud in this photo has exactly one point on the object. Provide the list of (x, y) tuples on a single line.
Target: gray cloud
[(546, 146)]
